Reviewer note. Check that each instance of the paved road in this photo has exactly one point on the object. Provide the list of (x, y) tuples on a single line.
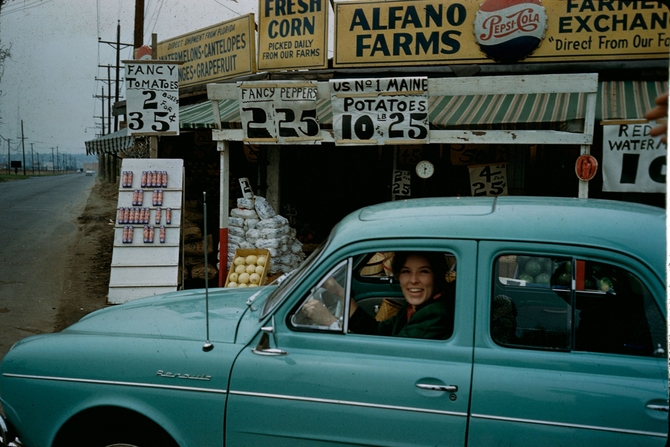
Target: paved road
[(37, 224)]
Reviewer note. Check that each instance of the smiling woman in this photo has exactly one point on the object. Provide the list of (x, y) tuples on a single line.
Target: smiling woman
[(428, 311), (425, 309)]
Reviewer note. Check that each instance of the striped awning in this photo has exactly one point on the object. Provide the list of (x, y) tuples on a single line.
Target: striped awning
[(627, 100), (509, 110), (617, 100), (118, 141)]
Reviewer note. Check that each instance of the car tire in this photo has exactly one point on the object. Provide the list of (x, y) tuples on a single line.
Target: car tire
[(115, 428)]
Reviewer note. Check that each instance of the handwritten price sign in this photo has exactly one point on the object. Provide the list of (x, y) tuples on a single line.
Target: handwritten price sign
[(488, 180), (279, 112), (152, 98), (380, 111)]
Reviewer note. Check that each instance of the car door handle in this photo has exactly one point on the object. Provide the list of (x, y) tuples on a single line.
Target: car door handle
[(269, 351), (445, 388), (658, 407)]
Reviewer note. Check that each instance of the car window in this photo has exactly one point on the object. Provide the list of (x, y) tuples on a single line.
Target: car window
[(564, 303), (329, 296), (377, 298)]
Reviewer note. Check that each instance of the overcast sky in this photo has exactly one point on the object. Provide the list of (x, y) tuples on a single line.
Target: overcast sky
[(49, 82)]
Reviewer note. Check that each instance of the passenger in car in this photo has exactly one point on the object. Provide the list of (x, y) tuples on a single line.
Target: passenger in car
[(429, 308)]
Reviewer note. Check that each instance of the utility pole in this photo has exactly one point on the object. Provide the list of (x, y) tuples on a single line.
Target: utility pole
[(32, 158), (117, 46), (57, 160), (9, 153), (23, 148), (53, 165)]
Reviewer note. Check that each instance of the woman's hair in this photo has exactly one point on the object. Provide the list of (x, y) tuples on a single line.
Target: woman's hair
[(437, 261)]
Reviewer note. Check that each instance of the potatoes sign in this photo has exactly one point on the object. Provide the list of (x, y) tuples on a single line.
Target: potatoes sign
[(380, 111)]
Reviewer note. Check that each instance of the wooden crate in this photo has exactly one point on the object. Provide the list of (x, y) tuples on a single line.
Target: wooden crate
[(243, 253)]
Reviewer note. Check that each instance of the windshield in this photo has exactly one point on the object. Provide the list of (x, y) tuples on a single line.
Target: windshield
[(287, 283)]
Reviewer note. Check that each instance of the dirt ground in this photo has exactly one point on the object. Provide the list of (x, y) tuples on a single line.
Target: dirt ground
[(89, 259)]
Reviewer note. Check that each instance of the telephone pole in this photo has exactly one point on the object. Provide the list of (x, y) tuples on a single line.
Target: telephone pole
[(23, 148), (117, 46)]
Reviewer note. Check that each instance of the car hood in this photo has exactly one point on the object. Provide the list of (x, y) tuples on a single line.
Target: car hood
[(177, 315)]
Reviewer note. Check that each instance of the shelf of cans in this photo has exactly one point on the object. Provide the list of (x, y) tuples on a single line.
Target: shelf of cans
[(138, 214)]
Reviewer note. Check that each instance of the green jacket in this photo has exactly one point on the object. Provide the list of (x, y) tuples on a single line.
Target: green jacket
[(434, 319)]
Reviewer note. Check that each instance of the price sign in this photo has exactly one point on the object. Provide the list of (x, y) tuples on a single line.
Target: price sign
[(633, 161), (488, 180), (279, 112), (380, 111), (401, 183), (152, 97)]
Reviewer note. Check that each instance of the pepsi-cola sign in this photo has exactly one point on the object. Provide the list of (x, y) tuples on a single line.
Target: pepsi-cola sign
[(510, 30)]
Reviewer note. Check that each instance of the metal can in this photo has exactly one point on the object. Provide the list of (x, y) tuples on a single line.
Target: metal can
[(126, 215), (151, 234), (143, 182), (158, 216), (162, 234), (160, 197), (129, 179), (164, 181), (140, 197), (145, 234), (168, 216)]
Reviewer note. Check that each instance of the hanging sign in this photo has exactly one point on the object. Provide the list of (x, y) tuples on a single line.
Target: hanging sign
[(292, 34), (152, 97), (221, 51), (401, 185), (586, 167), (633, 161), (488, 180), (279, 112), (386, 33), (380, 111)]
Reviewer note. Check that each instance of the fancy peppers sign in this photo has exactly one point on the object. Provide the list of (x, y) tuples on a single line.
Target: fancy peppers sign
[(402, 32)]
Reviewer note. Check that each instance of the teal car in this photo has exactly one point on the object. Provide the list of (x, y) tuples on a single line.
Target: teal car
[(558, 339)]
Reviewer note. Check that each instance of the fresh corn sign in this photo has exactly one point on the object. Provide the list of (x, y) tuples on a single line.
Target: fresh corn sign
[(292, 34)]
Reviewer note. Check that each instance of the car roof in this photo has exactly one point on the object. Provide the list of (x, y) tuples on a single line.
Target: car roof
[(638, 230)]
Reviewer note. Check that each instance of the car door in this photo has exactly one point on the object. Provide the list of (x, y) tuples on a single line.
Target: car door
[(328, 387), (570, 349)]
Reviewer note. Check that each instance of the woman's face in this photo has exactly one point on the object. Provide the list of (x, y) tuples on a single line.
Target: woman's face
[(416, 280)]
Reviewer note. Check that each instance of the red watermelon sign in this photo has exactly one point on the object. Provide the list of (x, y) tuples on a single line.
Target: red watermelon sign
[(510, 30)]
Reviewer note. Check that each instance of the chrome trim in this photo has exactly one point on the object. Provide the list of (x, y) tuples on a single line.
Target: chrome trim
[(345, 402), (569, 425), (269, 352), (114, 383), (658, 408), (445, 388)]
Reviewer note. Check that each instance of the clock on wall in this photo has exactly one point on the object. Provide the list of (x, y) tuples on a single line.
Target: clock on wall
[(425, 169)]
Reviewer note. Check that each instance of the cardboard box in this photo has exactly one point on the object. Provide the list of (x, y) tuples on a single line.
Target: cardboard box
[(507, 267), (243, 253)]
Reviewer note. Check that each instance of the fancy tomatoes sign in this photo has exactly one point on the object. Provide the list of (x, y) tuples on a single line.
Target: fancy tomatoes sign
[(152, 97)]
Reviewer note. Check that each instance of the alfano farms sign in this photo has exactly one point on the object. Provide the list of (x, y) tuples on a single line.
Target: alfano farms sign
[(470, 31)]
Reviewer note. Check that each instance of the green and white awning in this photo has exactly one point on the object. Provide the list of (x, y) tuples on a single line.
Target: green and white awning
[(627, 100), (118, 141)]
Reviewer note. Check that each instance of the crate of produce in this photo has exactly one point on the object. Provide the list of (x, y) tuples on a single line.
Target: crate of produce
[(249, 268)]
